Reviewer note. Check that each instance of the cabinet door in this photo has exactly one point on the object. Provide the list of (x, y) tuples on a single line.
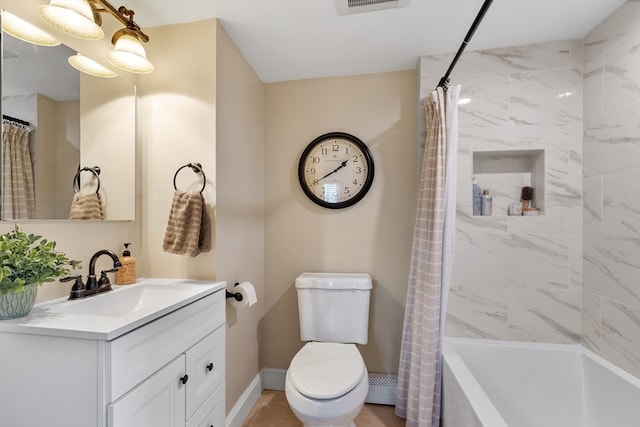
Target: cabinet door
[(205, 366), (212, 411), (138, 354), (157, 402)]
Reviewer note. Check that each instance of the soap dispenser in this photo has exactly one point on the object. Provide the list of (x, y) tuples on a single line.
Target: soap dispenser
[(126, 275)]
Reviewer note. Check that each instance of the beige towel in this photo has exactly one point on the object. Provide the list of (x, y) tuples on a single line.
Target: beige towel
[(188, 228), (86, 206)]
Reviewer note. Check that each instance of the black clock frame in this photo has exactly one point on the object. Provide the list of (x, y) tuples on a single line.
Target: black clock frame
[(365, 187)]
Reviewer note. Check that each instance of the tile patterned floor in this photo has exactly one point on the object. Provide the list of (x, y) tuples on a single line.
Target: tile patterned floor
[(272, 410)]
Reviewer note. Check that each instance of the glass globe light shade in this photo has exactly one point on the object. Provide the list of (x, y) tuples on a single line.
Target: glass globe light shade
[(73, 17)]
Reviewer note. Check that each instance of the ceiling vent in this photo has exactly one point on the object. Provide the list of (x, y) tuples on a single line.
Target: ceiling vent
[(349, 7)]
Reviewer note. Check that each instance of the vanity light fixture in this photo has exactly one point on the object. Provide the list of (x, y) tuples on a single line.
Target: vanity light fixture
[(77, 18), (89, 66), (129, 54), (81, 18), (22, 30)]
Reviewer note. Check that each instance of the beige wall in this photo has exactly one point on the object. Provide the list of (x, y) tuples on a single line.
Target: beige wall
[(67, 156), (205, 104), (374, 236), (240, 210), (176, 126), (107, 132)]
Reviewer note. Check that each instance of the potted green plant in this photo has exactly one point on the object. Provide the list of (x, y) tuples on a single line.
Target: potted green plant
[(27, 261)]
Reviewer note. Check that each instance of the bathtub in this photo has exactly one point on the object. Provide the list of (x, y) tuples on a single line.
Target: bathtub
[(512, 384)]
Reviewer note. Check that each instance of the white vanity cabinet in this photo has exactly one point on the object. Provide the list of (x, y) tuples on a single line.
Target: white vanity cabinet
[(168, 372), (188, 368), (173, 395)]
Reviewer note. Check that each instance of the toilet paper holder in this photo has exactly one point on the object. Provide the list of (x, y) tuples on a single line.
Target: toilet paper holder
[(236, 295)]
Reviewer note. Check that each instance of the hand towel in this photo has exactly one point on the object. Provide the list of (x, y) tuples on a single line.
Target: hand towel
[(86, 206), (188, 228)]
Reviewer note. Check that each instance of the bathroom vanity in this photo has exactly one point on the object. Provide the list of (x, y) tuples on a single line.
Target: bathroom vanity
[(144, 355)]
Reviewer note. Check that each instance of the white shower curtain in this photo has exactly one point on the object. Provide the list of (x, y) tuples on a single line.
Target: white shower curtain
[(420, 370), (18, 194)]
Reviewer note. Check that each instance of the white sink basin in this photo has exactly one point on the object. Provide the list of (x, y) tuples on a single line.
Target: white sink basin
[(124, 301), (108, 315)]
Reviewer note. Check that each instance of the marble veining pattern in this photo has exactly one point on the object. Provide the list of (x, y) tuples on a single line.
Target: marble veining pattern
[(591, 320), (544, 315), (546, 97), (489, 101), (570, 275), (620, 335), (621, 204), (522, 98), (621, 71), (611, 268), (592, 205), (610, 140), (611, 209), (477, 312), (511, 260)]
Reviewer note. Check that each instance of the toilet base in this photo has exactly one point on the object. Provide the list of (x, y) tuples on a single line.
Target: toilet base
[(338, 412)]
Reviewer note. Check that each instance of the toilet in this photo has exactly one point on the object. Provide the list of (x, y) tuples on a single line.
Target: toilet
[(327, 381)]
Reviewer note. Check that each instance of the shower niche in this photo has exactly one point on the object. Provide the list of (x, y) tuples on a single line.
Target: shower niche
[(504, 173)]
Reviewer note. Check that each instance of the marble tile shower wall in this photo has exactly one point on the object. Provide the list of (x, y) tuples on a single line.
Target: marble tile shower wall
[(518, 278), (611, 268)]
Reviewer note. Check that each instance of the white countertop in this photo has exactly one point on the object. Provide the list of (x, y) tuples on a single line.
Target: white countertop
[(107, 319)]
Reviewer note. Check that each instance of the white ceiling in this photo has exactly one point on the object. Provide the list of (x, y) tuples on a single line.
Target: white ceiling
[(299, 39)]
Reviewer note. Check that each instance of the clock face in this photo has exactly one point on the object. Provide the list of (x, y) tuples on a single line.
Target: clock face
[(336, 170)]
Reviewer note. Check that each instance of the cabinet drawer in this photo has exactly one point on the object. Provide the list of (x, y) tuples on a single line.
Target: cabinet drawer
[(212, 412), (138, 354), (205, 365)]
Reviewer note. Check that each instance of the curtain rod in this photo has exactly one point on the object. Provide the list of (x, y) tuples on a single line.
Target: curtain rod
[(13, 119), (444, 81)]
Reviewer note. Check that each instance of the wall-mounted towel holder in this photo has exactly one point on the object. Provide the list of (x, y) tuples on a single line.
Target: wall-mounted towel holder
[(236, 295), (76, 179), (197, 168)]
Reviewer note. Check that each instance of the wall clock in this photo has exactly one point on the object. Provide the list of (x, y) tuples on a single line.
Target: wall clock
[(336, 170)]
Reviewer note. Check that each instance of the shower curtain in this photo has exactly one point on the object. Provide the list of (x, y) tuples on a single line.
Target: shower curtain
[(18, 196), (420, 370)]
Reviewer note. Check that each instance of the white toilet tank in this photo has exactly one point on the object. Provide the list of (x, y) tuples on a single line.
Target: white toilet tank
[(334, 307)]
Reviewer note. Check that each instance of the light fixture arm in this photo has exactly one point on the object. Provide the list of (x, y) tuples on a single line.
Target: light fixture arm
[(123, 15)]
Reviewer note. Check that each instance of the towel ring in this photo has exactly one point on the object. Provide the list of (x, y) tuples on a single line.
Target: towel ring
[(197, 168), (76, 179)]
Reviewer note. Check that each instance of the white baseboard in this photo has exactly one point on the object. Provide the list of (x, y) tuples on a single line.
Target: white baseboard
[(273, 379), (241, 409)]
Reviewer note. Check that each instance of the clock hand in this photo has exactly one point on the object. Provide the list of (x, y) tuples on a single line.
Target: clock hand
[(343, 164)]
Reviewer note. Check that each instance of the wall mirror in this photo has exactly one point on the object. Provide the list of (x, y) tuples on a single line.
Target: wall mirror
[(75, 121)]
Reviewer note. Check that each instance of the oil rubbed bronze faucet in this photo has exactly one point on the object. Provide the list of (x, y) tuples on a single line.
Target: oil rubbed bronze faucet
[(92, 283), (93, 286)]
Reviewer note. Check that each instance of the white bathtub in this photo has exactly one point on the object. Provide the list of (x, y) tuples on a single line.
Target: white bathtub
[(512, 384)]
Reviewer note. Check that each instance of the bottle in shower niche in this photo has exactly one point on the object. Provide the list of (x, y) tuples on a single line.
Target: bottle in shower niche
[(476, 198), (487, 203)]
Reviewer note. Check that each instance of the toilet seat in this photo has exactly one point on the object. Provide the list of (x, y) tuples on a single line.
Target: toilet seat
[(322, 370)]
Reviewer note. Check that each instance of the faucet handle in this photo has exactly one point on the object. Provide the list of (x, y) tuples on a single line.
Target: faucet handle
[(77, 290), (104, 280)]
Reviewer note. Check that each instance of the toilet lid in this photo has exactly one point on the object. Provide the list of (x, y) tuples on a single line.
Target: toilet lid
[(326, 370)]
